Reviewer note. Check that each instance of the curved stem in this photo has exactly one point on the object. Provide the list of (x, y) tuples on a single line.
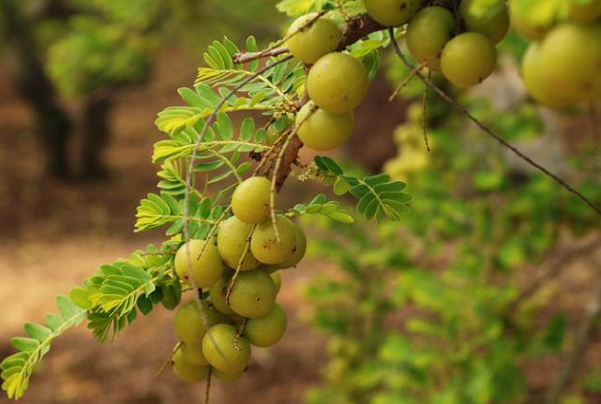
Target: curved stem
[(462, 110)]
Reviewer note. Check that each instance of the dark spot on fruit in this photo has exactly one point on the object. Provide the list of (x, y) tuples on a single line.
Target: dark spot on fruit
[(403, 6), (258, 299)]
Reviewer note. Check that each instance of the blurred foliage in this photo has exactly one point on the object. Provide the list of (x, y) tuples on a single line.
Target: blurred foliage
[(430, 310), (103, 44)]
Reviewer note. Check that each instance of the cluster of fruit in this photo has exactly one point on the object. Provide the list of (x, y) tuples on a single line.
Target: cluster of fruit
[(239, 268), (462, 46), (336, 83), (562, 66)]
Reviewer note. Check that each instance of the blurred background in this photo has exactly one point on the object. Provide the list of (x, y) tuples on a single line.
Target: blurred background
[(479, 296)]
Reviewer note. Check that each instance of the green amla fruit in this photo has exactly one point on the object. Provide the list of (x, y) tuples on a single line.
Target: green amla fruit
[(225, 350), (206, 268), (253, 294), (322, 130), (251, 200), (227, 376), (392, 13), (265, 245), (217, 294), (267, 330), (231, 243), (193, 319), (187, 371), (315, 39)]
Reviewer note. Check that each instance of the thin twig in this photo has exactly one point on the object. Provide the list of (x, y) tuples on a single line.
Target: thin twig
[(406, 80), (425, 113), (581, 341), (558, 266), (208, 386), (276, 48), (462, 110), (168, 360), (239, 333), (245, 252)]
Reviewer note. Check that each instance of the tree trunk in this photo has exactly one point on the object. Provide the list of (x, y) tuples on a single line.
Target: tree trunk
[(95, 134), (53, 122)]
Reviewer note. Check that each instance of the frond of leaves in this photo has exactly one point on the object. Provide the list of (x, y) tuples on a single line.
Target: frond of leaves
[(321, 206), (219, 137), (378, 197), (159, 210), (116, 292), (272, 85), (18, 368), (202, 101)]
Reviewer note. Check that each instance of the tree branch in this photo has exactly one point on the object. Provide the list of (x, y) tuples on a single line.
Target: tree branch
[(581, 342), (462, 110)]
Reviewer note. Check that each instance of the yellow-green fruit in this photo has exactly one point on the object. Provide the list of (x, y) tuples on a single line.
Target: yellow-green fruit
[(251, 200), (227, 376), (523, 23), (188, 372), (298, 253), (494, 23), (193, 319), (267, 330), (315, 40), (253, 294), (588, 12), (206, 267), (276, 277), (337, 83), (217, 294), (392, 13), (265, 245), (468, 59), (225, 350), (540, 90), (231, 243), (192, 354), (322, 130), (570, 60), (427, 34)]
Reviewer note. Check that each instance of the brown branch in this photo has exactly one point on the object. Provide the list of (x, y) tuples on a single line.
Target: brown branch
[(563, 262), (246, 57), (355, 29), (462, 110), (581, 342)]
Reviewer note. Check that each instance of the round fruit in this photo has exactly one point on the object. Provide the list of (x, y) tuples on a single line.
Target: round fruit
[(225, 350), (392, 12), (188, 372), (265, 245), (540, 90), (523, 23), (227, 376), (300, 248), (322, 130), (193, 319), (217, 294), (492, 23), (253, 294), (192, 354), (312, 42), (468, 59), (337, 83), (251, 200), (231, 243), (267, 330), (206, 267), (427, 34), (276, 277), (570, 60), (584, 12)]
